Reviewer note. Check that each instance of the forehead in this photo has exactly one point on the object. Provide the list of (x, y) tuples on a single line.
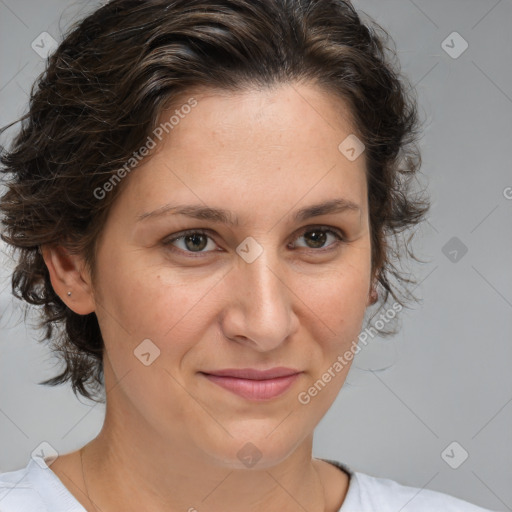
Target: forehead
[(282, 113), (249, 149)]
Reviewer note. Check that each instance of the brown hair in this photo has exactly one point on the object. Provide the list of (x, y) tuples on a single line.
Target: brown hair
[(108, 81)]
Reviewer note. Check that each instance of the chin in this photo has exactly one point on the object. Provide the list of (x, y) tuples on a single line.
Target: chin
[(255, 448)]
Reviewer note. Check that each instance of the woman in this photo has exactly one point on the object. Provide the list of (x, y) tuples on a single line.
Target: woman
[(202, 195)]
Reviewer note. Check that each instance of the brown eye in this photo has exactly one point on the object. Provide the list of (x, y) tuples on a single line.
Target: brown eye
[(317, 237), (194, 241)]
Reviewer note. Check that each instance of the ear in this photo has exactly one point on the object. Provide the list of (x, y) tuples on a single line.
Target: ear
[(68, 273), (373, 297), (373, 294)]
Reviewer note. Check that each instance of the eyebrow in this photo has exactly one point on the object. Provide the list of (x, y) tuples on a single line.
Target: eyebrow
[(338, 205)]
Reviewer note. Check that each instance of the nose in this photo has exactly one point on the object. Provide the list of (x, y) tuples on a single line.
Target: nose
[(260, 305)]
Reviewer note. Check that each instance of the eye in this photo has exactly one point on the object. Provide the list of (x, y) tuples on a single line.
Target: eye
[(318, 235), (195, 241)]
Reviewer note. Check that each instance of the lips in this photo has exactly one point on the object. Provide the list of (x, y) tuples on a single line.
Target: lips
[(252, 374), (254, 384)]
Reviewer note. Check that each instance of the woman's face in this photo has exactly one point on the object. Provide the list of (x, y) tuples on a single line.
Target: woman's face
[(272, 289)]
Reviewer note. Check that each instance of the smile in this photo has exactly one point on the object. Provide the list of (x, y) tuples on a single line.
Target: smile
[(255, 385)]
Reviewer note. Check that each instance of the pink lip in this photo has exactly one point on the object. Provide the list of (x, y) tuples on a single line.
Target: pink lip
[(255, 384)]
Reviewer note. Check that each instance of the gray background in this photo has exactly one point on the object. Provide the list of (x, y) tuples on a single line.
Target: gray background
[(446, 376)]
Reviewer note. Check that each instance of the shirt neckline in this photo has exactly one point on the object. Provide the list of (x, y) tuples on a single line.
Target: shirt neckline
[(352, 496), (71, 504), (51, 487)]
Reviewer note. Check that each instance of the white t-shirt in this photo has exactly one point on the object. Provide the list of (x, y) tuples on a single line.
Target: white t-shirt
[(36, 488)]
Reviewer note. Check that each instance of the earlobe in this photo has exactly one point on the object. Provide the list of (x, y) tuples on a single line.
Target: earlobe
[(70, 278), (373, 296)]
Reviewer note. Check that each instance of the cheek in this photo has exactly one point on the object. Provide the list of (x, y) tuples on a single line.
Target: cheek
[(338, 302), (148, 301), (337, 307), (140, 308)]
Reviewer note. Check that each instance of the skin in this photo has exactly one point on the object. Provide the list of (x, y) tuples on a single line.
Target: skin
[(170, 437)]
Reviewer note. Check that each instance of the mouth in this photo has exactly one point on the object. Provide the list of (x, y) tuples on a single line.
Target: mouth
[(254, 384)]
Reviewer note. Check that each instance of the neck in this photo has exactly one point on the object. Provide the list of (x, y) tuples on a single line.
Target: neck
[(127, 475)]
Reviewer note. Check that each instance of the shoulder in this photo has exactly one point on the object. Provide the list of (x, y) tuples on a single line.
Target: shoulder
[(17, 493), (384, 494), (35, 488), (367, 493)]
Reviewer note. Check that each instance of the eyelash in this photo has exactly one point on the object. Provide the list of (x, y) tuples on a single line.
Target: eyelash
[(324, 229)]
